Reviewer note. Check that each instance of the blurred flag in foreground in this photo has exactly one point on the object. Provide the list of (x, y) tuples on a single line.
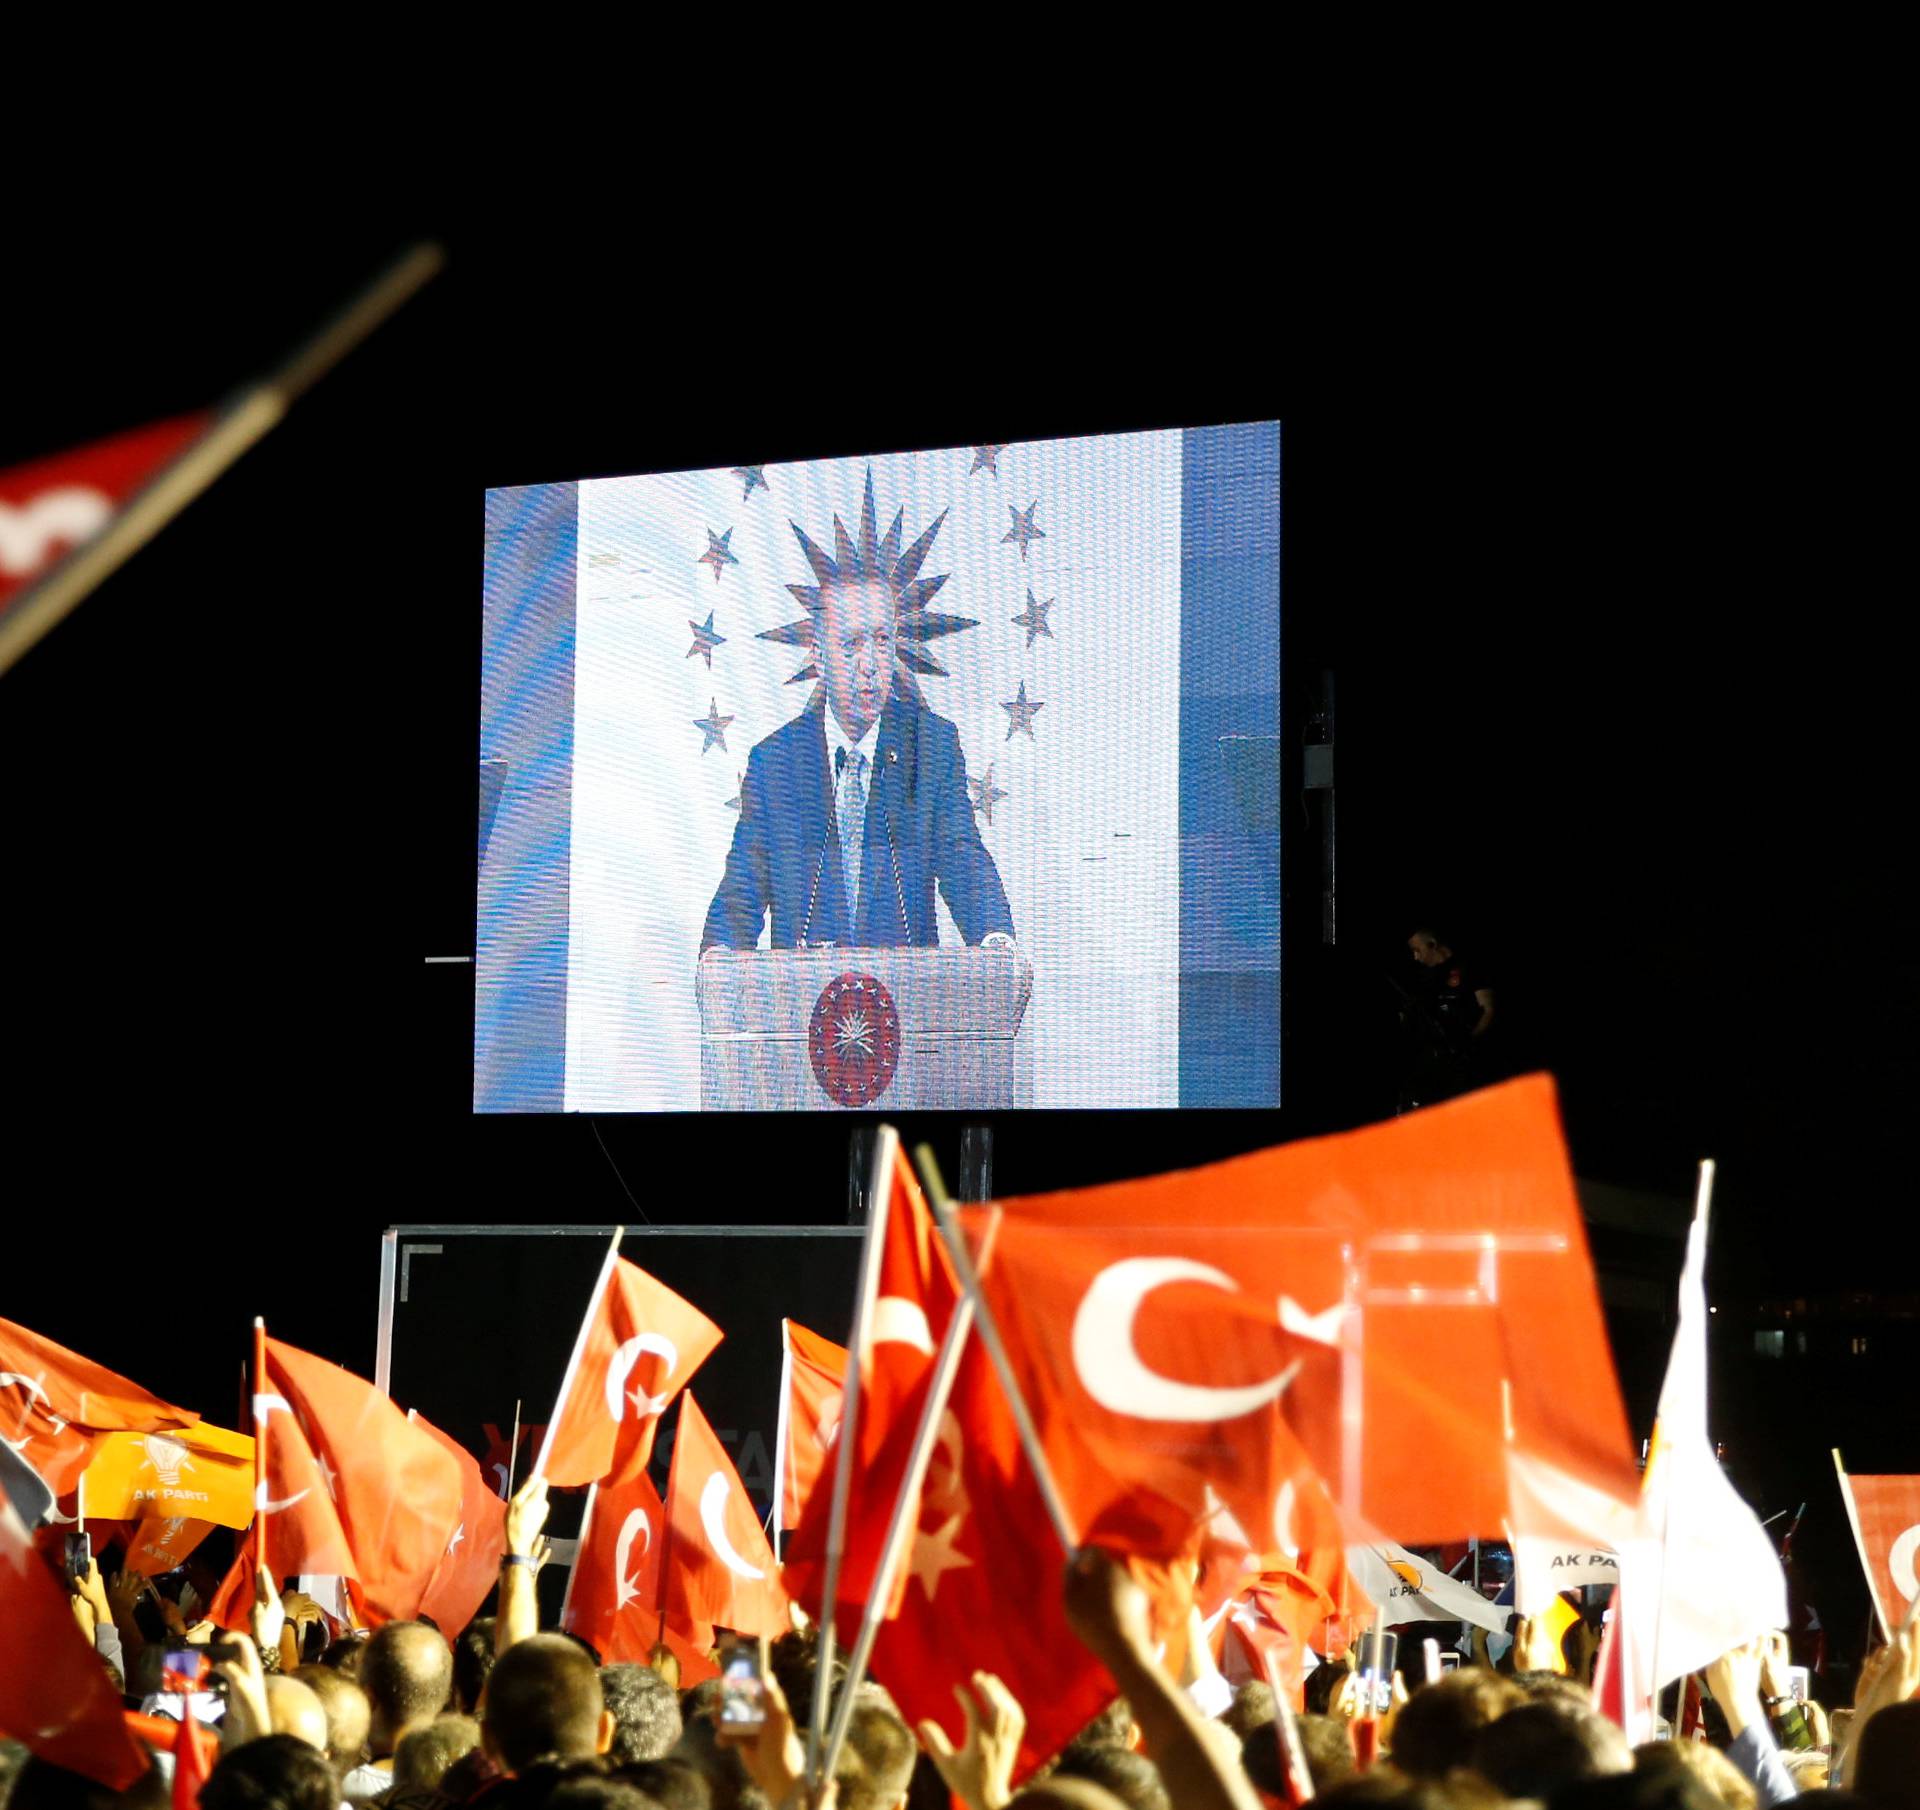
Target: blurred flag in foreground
[(1885, 1512), (813, 1374)]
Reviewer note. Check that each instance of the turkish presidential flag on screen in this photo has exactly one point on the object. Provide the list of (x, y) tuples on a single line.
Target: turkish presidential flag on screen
[(467, 1570), (813, 1375), (50, 506), (56, 1406), (1414, 1301), (718, 1565), (352, 1488), (613, 1593), (55, 1695), (914, 1297), (1886, 1518), (638, 1346)]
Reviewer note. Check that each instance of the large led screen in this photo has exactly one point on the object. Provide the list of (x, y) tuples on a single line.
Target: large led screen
[(922, 781)]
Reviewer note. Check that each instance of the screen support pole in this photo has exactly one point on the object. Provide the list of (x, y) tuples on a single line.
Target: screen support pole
[(976, 1163)]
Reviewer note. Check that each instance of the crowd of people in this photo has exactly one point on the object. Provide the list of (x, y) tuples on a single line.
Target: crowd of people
[(504, 1716)]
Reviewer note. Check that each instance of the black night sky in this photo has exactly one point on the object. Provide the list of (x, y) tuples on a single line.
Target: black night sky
[(1600, 708)]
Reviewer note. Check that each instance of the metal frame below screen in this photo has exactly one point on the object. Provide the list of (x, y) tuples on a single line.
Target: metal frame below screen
[(398, 1245)]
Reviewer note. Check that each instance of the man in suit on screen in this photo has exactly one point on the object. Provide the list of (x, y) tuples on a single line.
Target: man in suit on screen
[(855, 810)]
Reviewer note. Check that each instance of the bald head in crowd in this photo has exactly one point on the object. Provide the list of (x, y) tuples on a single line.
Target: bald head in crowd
[(295, 1709), (544, 1702), (407, 1674), (1066, 1794), (347, 1711)]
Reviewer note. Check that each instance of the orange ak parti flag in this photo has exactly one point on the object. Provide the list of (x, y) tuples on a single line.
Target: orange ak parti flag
[(56, 1406), (352, 1489), (1413, 1301), (201, 1471), (164, 1544), (55, 1695), (914, 1295), (813, 1374), (638, 1345), (718, 1566), (470, 1566), (613, 1591)]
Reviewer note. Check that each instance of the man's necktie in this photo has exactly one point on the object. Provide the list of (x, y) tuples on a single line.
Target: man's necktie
[(853, 818)]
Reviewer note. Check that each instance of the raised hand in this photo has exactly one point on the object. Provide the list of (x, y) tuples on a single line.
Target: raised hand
[(267, 1616), (526, 1515), (980, 1771), (1734, 1680), (1107, 1608), (93, 1592), (772, 1753), (124, 1594), (247, 1716), (1534, 1647)]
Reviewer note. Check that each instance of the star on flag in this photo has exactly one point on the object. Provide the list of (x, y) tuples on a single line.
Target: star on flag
[(704, 639), (1034, 618), (934, 1555), (717, 556), (714, 727), (985, 794), (987, 459), (1024, 529), (1020, 714), (750, 475)]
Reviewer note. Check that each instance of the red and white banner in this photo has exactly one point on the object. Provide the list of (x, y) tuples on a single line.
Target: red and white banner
[(719, 1567), (813, 1374), (1885, 1512), (613, 1593)]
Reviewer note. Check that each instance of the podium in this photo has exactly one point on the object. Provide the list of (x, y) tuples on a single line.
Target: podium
[(857, 1030)]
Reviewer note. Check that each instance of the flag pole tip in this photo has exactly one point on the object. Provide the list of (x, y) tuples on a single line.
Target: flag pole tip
[(259, 1325)]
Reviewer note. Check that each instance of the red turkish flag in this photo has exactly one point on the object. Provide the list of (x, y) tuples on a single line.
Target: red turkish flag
[(471, 1563), (812, 1394), (718, 1566), (1414, 1301), (983, 1548), (353, 1489), (1886, 1522), (914, 1297), (50, 506), (639, 1344), (55, 1406), (55, 1694), (613, 1595)]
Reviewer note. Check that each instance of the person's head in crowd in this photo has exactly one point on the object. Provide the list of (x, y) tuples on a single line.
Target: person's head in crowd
[(589, 1791), (347, 1711), (1065, 1794), (1323, 1739), (1387, 1786), (424, 1757), (543, 1701), (295, 1709), (468, 1776), (1553, 1684), (1534, 1750), (1251, 1708), (1131, 1777), (38, 1784), (722, 1769), (876, 1763), (1438, 1725), (674, 1785), (1725, 1782), (1429, 948), (1323, 1685), (276, 1772), (407, 1674), (645, 1710), (1886, 1758), (1810, 1768), (1113, 1727), (346, 1655), (1660, 1788), (472, 1661)]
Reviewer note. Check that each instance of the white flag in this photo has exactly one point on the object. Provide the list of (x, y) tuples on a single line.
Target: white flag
[(1702, 1576), (1408, 1588)]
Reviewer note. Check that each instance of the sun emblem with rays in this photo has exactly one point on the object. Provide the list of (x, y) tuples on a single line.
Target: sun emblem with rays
[(853, 1039), (874, 557)]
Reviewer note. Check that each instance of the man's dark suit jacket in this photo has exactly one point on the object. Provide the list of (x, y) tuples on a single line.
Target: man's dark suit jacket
[(785, 856)]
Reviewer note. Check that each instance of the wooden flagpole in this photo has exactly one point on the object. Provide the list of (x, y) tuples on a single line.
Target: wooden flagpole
[(1860, 1543), (259, 1447), (248, 418), (990, 1337), (579, 1351), (513, 1448), (886, 1147)]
